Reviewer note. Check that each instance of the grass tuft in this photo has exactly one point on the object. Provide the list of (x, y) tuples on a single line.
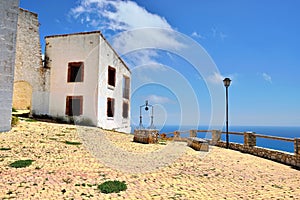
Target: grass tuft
[(14, 120), (5, 149), (73, 143), (30, 120), (21, 163), (112, 187)]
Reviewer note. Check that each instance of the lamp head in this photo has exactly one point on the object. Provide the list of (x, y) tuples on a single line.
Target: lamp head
[(226, 82)]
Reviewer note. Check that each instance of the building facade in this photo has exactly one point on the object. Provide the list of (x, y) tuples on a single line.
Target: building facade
[(88, 81), (82, 78), (8, 31)]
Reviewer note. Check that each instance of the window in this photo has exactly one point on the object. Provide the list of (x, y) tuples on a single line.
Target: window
[(125, 109), (74, 105), (110, 107), (111, 76), (75, 72), (126, 87)]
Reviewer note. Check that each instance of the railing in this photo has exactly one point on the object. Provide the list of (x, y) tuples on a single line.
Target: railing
[(176, 135), (233, 133), (275, 138), (249, 145)]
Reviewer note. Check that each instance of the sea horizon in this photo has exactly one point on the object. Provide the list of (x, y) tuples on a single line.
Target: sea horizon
[(278, 131)]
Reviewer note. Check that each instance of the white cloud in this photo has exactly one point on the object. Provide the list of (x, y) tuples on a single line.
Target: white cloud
[(267, 77), (216, 78), (142, 57), (146, 38), (197, 35), (223, 36), (155, 99), (145, 73), (218, 34), (117, 15)]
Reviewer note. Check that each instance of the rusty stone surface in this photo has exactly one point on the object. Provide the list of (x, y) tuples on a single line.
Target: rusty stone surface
[(198, 144), (146, 136)]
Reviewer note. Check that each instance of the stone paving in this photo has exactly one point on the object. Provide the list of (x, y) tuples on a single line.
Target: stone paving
[(64, 171)]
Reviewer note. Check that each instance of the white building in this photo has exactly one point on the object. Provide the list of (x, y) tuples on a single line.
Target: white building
[(88, 81)]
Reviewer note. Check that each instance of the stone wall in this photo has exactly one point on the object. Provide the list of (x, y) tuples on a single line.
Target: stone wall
[(30, 75), (275, 155), (8, 30), (146, 136), (250, 147)]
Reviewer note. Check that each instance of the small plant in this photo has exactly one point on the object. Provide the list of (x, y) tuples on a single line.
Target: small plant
[(71, 120), (60, 119), (9, 192), (73, 143), (13, 110), (30, 120), (85, 122), (67, 180), (47, 117), (162, 143), (21, 163), (14, 120), (112, 187), (5, 149)]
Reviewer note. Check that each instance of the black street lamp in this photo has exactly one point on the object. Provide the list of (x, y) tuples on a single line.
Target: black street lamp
[(226, 82)]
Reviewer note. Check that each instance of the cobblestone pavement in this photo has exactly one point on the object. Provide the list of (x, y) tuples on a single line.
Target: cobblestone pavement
[(65, 171)]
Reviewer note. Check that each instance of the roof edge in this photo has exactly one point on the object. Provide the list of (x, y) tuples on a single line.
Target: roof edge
[(24, 10), (70, 34), (121, 60)]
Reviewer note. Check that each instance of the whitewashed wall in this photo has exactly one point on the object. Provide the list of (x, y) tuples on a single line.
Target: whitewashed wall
[(109, 58), (73, 48), (8, 29), (92, 49)]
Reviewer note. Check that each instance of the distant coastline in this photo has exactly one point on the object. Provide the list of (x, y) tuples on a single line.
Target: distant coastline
[(280, 131)]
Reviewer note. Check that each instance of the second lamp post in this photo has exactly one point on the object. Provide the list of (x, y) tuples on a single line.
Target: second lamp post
[(226, 82)]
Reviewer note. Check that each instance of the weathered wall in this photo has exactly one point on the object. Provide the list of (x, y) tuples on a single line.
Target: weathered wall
[(8, 30), (29, 71), (22, 95)]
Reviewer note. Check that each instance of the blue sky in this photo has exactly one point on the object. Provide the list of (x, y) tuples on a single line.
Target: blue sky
[(255, 43)]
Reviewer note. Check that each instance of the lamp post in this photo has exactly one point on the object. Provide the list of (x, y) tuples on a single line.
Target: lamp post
[(226, 82)]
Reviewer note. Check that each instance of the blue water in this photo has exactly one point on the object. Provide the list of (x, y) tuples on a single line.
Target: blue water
[(287, 132)]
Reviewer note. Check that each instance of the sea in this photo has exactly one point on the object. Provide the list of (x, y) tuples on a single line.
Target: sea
[(279, 131)]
